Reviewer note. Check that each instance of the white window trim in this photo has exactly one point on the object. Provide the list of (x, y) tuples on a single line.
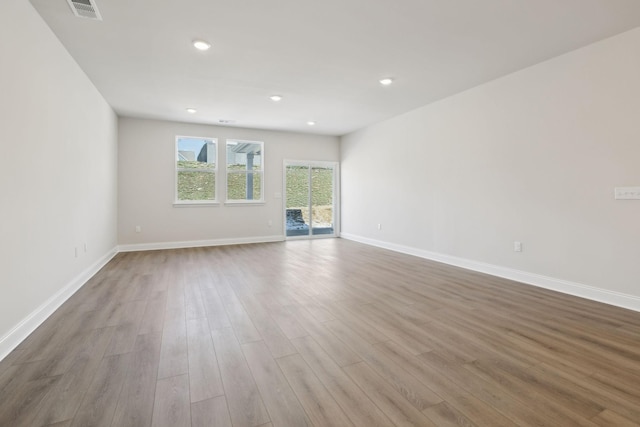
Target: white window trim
[(195, 203), (244, 202)]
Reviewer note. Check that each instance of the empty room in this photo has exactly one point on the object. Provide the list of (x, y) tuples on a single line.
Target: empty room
[(348, 213)]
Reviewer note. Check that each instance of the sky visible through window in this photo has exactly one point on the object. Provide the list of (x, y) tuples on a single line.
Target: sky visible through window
[(191, 144)]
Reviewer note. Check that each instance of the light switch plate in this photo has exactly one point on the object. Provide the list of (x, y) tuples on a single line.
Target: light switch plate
[(627, 193)]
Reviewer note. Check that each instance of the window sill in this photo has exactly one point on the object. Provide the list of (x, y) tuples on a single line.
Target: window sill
[(244, 203), (195, 204)]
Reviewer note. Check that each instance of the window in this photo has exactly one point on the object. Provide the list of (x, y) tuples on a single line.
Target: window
[(310, 198), (196, 169), (245, 171)]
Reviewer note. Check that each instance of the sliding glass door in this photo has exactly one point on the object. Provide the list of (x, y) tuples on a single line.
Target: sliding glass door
[(310, 199)]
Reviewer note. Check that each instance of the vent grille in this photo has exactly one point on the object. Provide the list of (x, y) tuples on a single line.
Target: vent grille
[(85, 9)]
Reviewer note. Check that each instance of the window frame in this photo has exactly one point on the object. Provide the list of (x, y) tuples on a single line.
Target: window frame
[(261, 173), (186, 203)]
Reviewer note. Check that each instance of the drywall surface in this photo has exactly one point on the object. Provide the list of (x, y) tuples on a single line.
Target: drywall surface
[(147, 181), (532, 157), (58, 171)]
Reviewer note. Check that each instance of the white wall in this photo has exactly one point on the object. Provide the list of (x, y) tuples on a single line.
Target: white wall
[(146, 160), (532, 157), (58, 174)]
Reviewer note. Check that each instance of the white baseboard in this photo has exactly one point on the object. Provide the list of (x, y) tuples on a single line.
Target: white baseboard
[(29, 324), (198, 243), (618, 299)]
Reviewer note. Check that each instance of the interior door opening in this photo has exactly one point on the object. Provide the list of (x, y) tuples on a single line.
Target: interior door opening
[(310, 199)]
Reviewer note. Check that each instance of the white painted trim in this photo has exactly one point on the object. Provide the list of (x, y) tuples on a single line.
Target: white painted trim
[(195, 204), (29, 324), (245, 203), (198, 243), (618, 299)]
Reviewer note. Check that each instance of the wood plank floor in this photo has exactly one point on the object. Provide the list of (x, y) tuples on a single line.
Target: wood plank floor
[(320, 333)]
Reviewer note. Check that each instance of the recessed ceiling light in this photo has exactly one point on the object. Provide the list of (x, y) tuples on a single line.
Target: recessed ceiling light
[(275, 98), (191, 110), (386, 81), (201, 45), (311, 123)]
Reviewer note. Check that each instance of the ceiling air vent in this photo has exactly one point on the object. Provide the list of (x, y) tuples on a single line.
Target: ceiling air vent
[(85, 9)]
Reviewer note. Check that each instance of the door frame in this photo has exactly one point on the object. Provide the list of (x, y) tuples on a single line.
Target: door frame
[(336, 198)]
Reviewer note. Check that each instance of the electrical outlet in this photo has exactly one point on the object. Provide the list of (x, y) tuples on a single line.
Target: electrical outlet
[(627, 193), (517, 246), (379, 226), (138, 229)]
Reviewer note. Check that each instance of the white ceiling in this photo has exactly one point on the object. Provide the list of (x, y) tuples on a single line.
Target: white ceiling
[(324, 57)]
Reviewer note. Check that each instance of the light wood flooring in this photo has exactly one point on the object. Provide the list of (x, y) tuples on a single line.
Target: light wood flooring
[(320, 333)]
